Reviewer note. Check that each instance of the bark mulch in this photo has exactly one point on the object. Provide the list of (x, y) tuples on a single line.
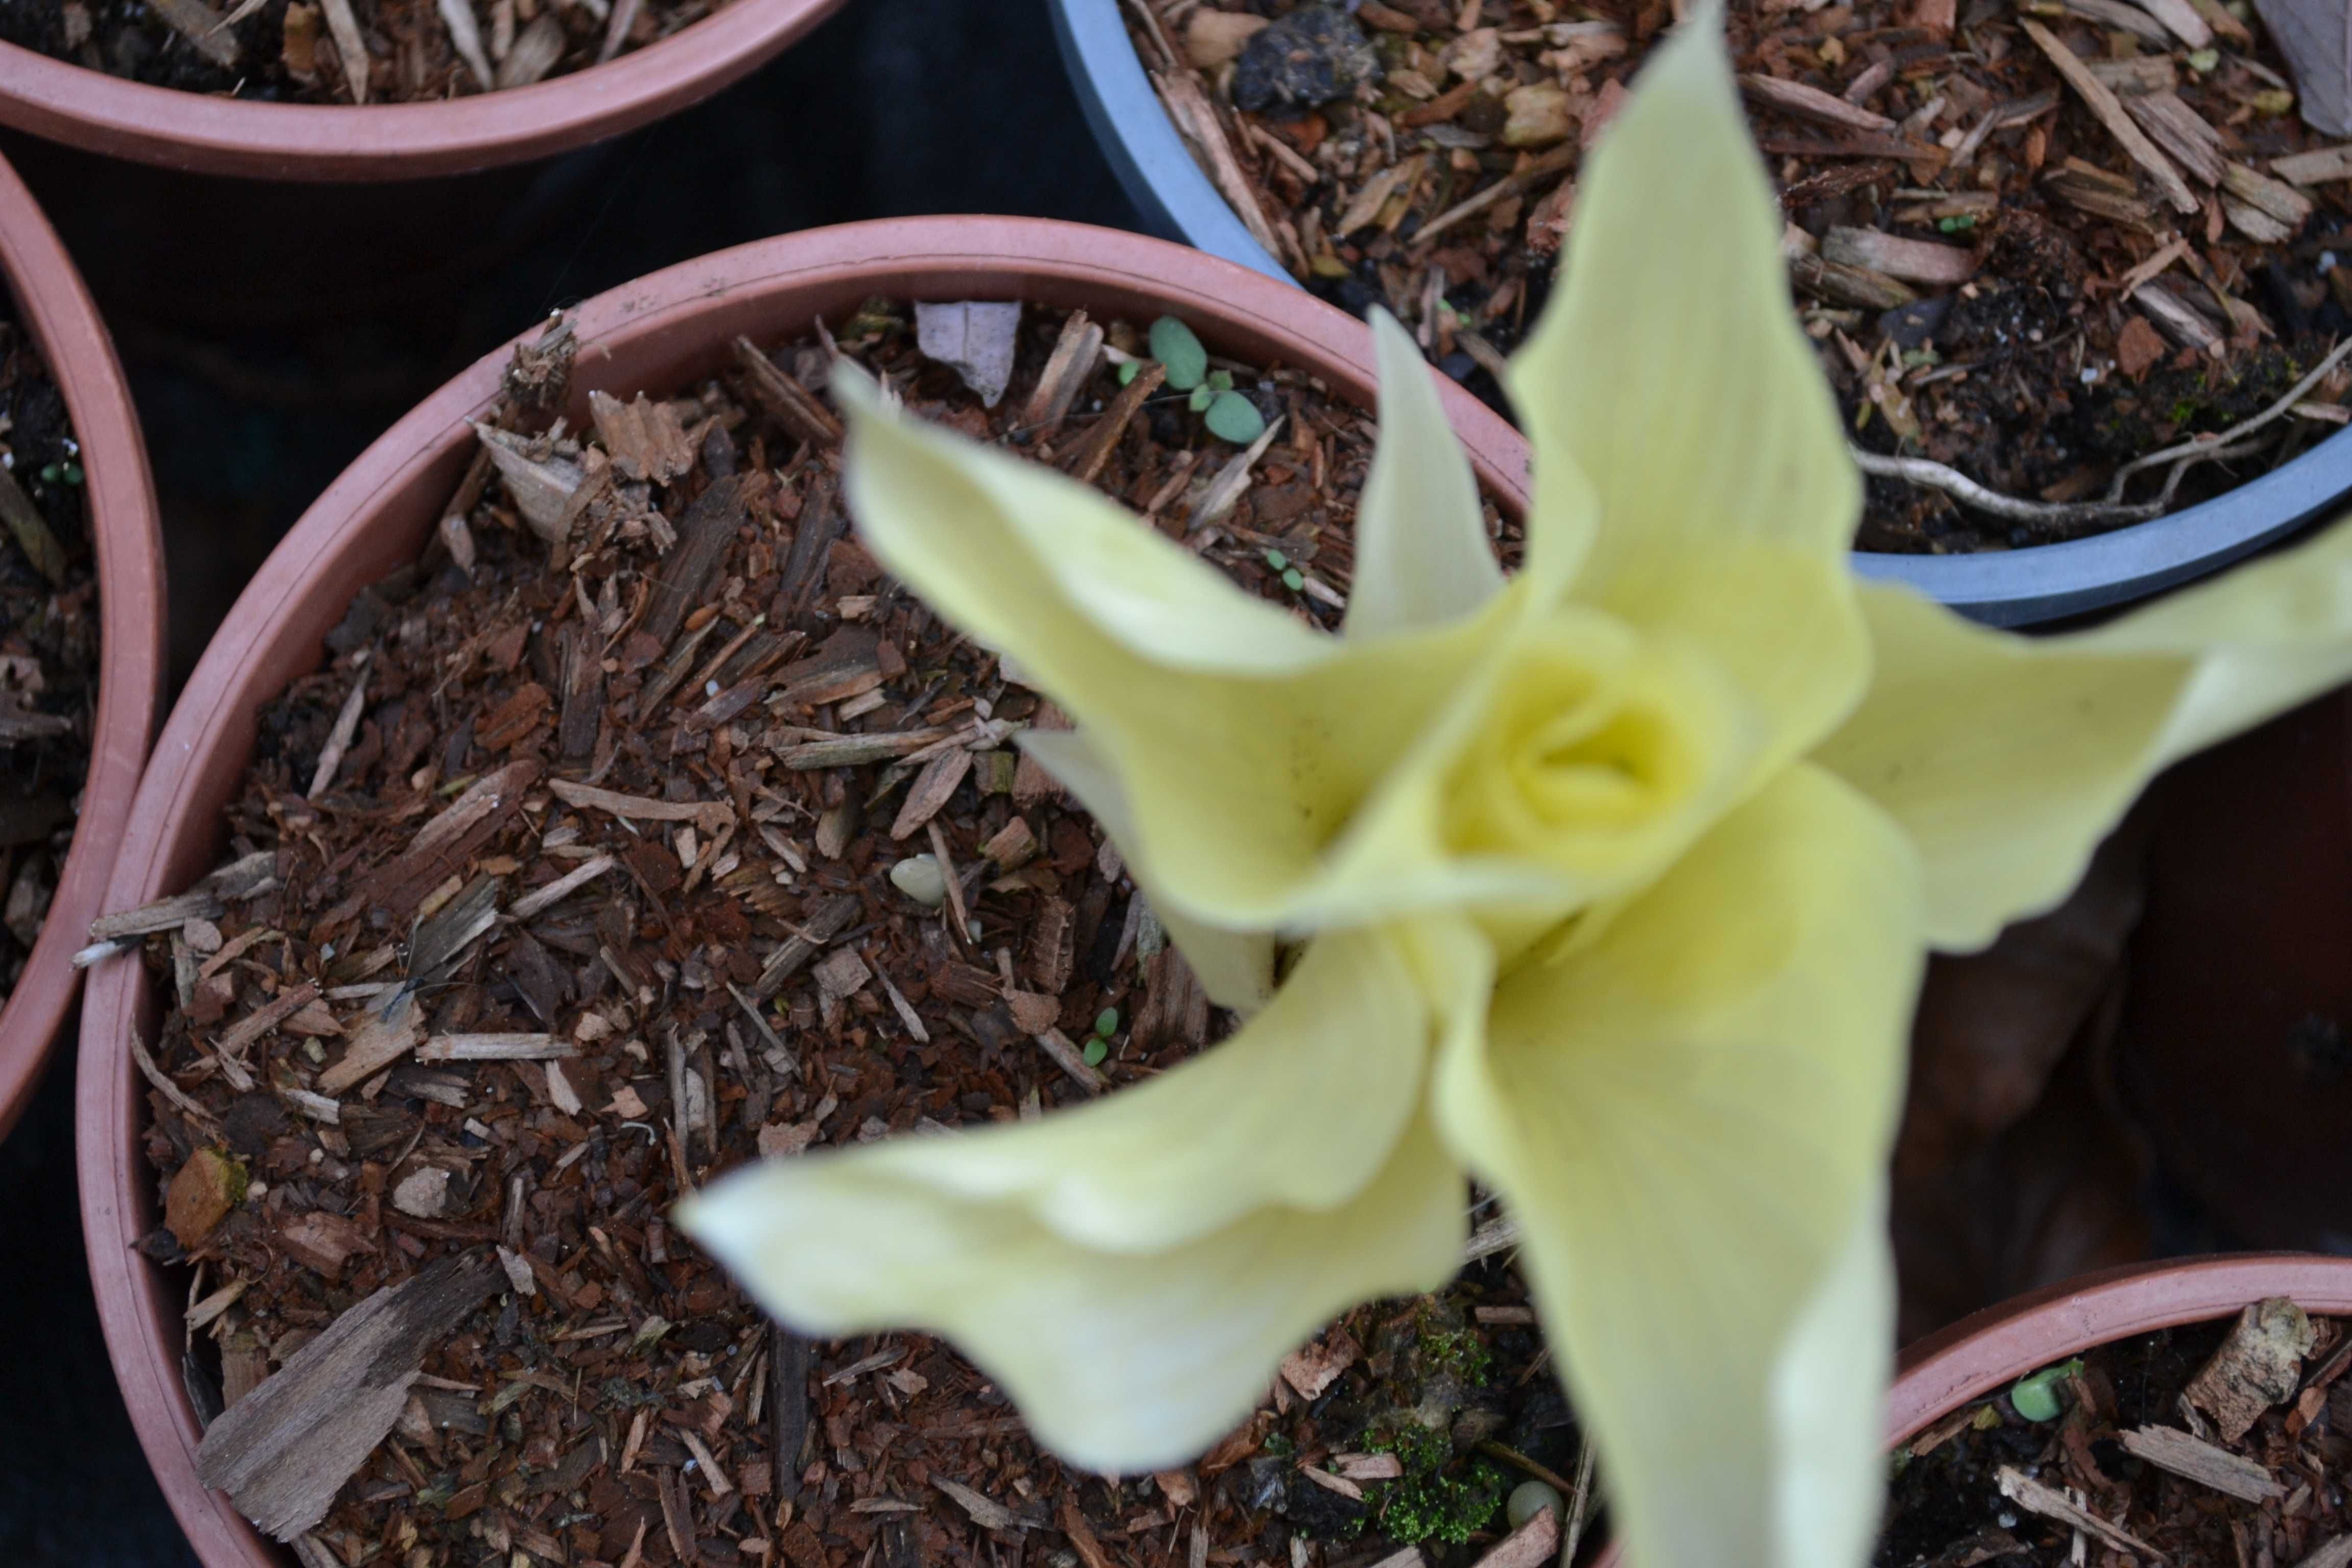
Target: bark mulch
[(2037, 245), (49, 643), (581, 873), (300, 51)]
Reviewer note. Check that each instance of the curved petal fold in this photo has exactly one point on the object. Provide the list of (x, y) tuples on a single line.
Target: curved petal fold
[(1242, 739), (2008, 758), (1422, 557), (1668, 377), (1134, 1271), (1690, 1116)]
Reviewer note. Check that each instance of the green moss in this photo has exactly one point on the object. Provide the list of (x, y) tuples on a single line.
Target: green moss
[(1437, 1498), (1459, 1353)]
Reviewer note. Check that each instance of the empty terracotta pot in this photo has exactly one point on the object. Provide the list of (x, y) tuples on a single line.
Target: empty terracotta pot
[(655, 335), (56, 310), (217, 135)]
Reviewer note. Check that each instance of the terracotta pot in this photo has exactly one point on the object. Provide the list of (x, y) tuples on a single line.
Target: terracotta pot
[(2000, 1344), (216, 135), (658, 333), (56, 309)]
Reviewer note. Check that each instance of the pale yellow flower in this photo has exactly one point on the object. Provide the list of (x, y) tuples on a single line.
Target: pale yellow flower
[(1615, 878)]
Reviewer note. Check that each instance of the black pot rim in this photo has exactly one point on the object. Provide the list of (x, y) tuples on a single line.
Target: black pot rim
[(1998, 587)]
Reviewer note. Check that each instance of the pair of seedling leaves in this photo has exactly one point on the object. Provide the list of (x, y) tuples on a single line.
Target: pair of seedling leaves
[(1229, 416)]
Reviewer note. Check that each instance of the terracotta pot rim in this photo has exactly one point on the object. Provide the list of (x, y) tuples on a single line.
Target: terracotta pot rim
[(206, 133), (128, 542), (1993, 1348), (935, 257)]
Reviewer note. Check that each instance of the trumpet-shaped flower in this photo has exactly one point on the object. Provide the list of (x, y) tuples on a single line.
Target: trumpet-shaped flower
[(1615, 881)]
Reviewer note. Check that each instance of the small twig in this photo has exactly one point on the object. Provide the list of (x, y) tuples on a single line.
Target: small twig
[(2279, 410), (1543, 1473), (1937, 476), (1579, 1504)]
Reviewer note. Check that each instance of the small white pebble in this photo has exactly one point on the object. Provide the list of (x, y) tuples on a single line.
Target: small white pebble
[(919, 878), (1530, 1498), (2090, 375), (2006, 1518), (710, 688), (2326, 262)]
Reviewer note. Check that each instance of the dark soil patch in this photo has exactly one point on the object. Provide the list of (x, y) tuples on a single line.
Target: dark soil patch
[(1422, 154), (1947, 1510), (286, 51), (791, 725), (49, 643)]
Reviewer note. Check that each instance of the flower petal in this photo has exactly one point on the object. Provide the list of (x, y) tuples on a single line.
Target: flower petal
[(1036, 564), (1668, 374), (2008, 758), (1241, 740), (1235, 968), (1134, 1271), (1421, 552), (1690, 1115)]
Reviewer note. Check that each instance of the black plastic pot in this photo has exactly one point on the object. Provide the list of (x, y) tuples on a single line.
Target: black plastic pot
[(2002, 588)]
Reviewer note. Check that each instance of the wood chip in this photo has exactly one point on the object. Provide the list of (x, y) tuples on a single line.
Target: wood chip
[(339, 739), (466, 37), (2180, 321), (2337, 1553), (986, 1513), (242, 878), (781, 394), (2112, 114), (2100, 193), (204, 30), (2315, 168), (2182, 131), (2257, 1366), (1858, 288), (1075, 352), (2276, 198), (2049, 1503), (284, 1450), (1196, 121), (2141, 73), (1095, 451), (502, 1047), (564, 887), (534, 54), (1811, 103), (1531, 1545), (2117, 16), (2182, 20), (542, 485), (644, 437), (711, 815), (1071, 1060), (930, 790), (703, 535), (381, 1039), (829, 920), (2169, 1449), (1913, 261), (446, 845)]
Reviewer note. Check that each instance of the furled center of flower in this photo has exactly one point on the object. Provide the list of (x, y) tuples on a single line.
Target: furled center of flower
[(1600, 756)]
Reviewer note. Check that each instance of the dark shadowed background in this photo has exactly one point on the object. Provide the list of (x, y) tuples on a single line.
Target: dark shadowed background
[(271, 332)]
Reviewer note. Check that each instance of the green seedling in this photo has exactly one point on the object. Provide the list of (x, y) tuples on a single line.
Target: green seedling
[(1209, 394), (2035, 1396), (1097, 1044)]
